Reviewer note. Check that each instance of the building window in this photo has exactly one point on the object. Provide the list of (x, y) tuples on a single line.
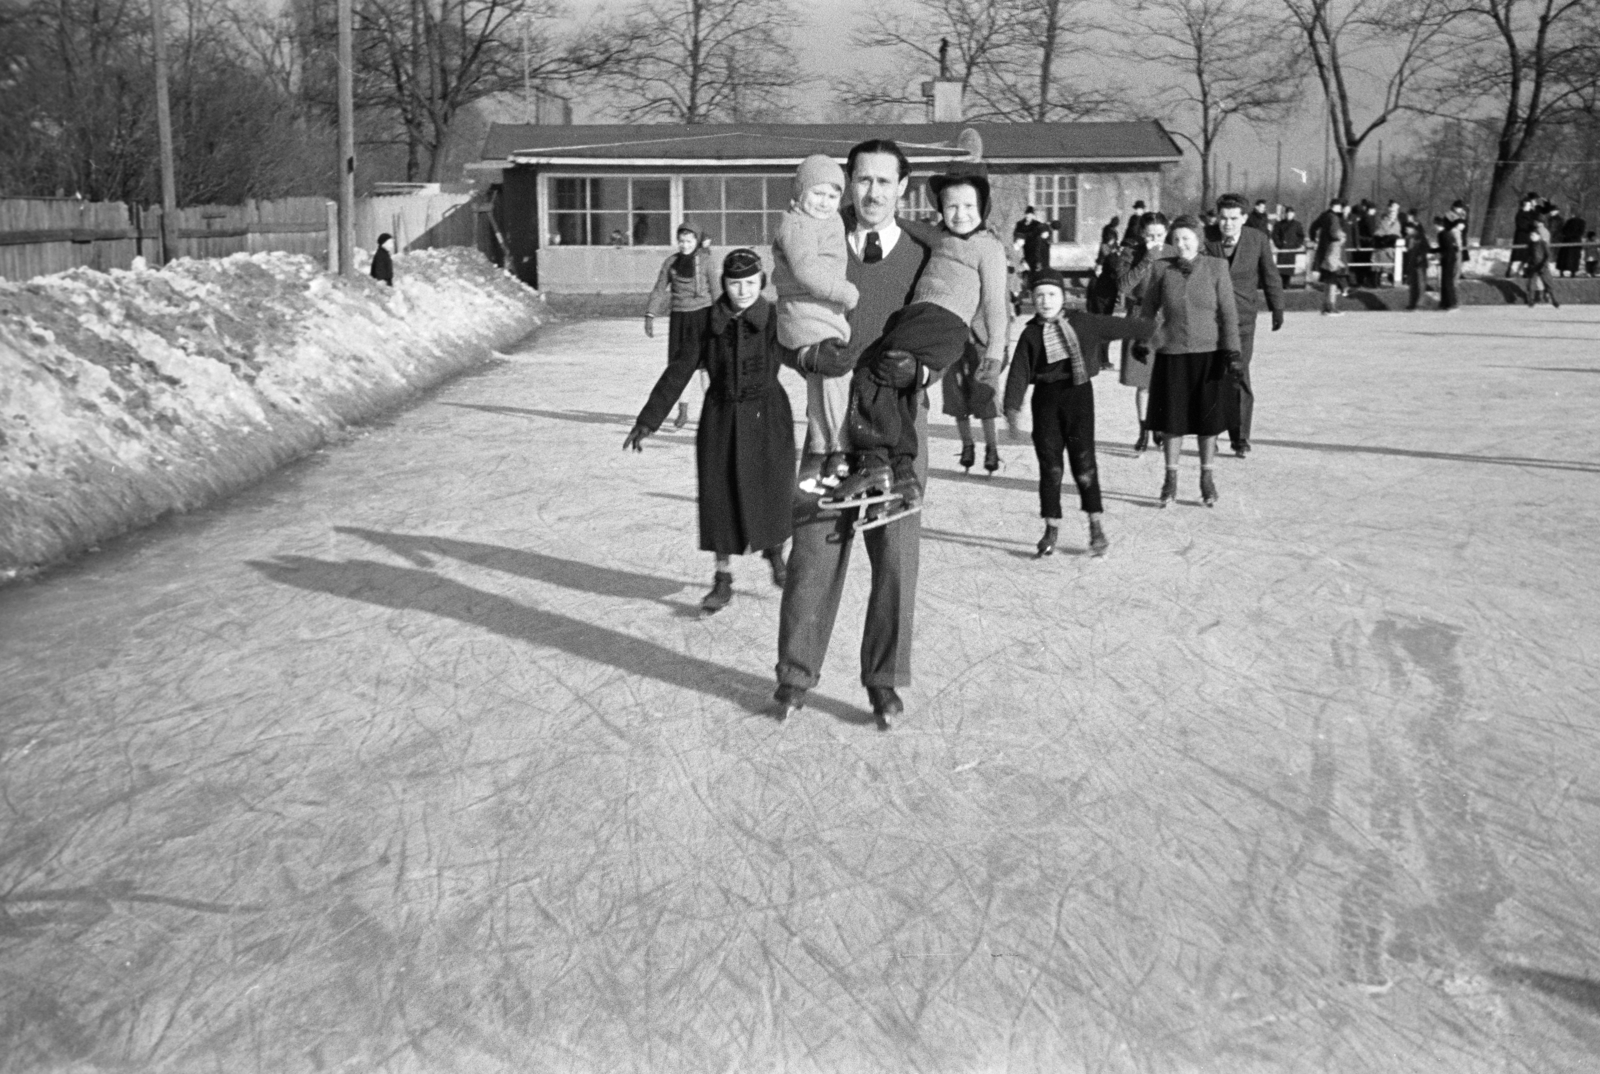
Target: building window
[(1056, 199), (736, 210), (617, 211), (917, 204)]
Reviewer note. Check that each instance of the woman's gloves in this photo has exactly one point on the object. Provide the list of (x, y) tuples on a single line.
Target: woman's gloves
[(893, 369)]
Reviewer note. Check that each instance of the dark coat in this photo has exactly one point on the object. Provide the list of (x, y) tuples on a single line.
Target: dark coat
[(1253, 267), (1289, 234), (383, 266), (1030, 362), (744, 450)]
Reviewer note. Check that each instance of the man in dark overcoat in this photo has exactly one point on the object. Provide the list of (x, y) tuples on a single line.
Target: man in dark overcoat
[(1253, 266)]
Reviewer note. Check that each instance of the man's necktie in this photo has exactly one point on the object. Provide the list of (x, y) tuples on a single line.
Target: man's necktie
[(872, 252)]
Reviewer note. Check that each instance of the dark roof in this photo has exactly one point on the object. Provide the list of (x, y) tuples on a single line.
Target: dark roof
[(1145, 140)]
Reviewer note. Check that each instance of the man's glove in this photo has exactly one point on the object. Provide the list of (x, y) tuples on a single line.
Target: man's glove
[(1141, 352), (894, 369), (831, 358), (1233, 363), (1277, 320), (635, 438)]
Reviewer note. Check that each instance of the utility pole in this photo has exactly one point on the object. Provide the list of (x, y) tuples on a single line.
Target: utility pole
[(169, 183), (347, 141), (1277, 179)]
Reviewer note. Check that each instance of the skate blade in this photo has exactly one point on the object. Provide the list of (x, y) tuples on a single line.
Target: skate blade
[(857, 501), (884, 519)]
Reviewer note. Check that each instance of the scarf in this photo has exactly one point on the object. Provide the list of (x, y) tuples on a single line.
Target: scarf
[(683, 264), (1061, 345), (1185, 267)]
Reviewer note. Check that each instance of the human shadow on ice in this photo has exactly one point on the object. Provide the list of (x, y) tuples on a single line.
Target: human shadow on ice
[(1022, 484), (1579, 991), (583, 417), (567, 573), (1444, 456), (411, 589)]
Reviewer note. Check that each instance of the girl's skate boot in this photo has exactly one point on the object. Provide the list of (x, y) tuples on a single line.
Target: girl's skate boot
[(721, 593)]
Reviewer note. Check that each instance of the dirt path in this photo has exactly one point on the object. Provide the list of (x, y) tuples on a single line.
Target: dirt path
[(418, 757)]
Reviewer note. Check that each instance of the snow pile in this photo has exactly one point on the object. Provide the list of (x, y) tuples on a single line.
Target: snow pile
[(128, 395)]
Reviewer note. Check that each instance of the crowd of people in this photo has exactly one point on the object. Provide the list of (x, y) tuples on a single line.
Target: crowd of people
[(872, 307)]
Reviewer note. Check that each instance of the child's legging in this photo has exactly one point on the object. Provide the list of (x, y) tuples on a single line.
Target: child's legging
[(882, 421), (1063, 421)]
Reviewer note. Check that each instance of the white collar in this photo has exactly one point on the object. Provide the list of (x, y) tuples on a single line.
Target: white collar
[(888, 235)]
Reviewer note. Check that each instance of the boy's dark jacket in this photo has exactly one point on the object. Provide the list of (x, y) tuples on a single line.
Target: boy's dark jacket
[(1030, 366)]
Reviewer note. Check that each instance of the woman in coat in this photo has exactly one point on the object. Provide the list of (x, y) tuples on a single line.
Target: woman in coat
[(1191, 298), (1133, 273), (685, 288), (744, 447)]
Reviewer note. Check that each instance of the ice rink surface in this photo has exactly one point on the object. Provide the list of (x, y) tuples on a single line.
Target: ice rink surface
[(420, 758)]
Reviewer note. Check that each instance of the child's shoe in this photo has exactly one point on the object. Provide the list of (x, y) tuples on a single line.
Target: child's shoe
[(906, 486), (969, 455), (1047, 543), (991, 457), (835, 469), (870, 480), (812, 469), (721, 593)]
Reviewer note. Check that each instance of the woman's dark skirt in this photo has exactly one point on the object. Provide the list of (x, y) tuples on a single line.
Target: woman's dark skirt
[(1187, 395)]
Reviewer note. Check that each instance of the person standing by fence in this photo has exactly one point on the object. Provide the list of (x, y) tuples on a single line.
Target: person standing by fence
[(1289, 236), (1451, 229), (382, 264)]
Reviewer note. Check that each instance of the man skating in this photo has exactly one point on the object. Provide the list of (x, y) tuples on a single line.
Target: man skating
[(885, 262), (1253, 266)]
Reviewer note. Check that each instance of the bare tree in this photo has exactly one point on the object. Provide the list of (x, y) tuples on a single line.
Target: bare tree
[(1393, 46), (1236, 62), (1009, 56), (1523, 66), (700, 61)]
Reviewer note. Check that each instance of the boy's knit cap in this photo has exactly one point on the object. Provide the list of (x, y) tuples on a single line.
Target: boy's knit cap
[(815, 169), (1049, 278)]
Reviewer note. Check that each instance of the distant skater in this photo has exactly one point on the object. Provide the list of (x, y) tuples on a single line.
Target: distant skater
[(1197, 360), (968, 393), (1057, 356), (808, 272), (744, 447), (1134, 274), (685, 288), (382, 264)]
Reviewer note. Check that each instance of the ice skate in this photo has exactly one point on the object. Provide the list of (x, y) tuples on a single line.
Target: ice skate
[(721, 593), (835, 468), (867, 483), (1208, 488), (1047, 543), (1140, 445), (904, 498), (683, 416), (790, 699), (1169, 488), (969, 455), (886, 704), (1098, 545), (991, 458)]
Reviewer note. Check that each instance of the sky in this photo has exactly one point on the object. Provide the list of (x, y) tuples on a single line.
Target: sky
[(825, 51)]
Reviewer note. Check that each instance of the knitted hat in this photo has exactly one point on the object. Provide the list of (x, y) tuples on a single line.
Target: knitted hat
[(740, 264), (1049, 277), (975, 175), (817, 169)]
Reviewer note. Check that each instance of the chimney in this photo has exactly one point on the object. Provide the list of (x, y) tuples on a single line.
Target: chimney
[(944, 100)]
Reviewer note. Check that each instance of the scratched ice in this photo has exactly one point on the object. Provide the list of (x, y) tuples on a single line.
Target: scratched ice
[(418, 758)]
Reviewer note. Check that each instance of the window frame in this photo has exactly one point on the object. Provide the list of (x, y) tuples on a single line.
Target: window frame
[(774, 188), (1045, 193)]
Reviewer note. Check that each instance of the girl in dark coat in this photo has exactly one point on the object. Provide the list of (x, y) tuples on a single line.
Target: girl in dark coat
[(382, 263), (744, 447)]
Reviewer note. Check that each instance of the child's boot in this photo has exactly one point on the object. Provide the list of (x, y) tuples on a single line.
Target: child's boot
[(969, 455), (1098, 545), (1208, 487), (1169, 487), (1047, 543), (991, 457), (871, 479)]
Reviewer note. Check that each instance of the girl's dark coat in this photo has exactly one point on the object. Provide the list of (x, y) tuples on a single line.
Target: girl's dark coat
[(744, 449)]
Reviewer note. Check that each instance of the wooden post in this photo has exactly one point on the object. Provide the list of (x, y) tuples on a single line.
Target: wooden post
[(347, 141), (169, 186)]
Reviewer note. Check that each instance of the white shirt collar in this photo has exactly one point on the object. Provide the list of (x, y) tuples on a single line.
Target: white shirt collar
[(888, 235)]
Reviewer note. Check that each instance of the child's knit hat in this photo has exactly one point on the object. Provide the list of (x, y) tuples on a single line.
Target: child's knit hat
[(816, 169)]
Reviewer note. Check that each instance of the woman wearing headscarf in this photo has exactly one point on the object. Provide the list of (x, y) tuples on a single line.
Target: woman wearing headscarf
[(1191, 298), (1133, 274)]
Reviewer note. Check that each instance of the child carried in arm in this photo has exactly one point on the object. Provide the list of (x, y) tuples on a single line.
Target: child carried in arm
[(809, 260), (962, 289)]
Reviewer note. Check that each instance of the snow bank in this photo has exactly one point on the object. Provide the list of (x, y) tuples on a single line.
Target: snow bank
[(128, 395)]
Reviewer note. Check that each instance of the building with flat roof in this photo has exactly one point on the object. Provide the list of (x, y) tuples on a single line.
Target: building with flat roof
[(592, 209)]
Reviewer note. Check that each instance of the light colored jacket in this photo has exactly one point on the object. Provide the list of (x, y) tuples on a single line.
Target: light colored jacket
[(681, 294), (809, 259), (967, 276), (1195, 311)]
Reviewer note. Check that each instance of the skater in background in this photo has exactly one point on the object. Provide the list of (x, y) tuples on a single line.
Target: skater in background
[(382, 263), (1191, 299), (1032, 237), (1569, 259), (808, 272), (1253, 268), (1135, 274), (1332, 272), (685, 288), (1537, 266), (744, 447), (1056, 356), (1414, 240), (968, 394), (1452, 231)]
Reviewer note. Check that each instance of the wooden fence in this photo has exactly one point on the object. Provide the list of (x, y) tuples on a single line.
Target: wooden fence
[(44, 235)]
